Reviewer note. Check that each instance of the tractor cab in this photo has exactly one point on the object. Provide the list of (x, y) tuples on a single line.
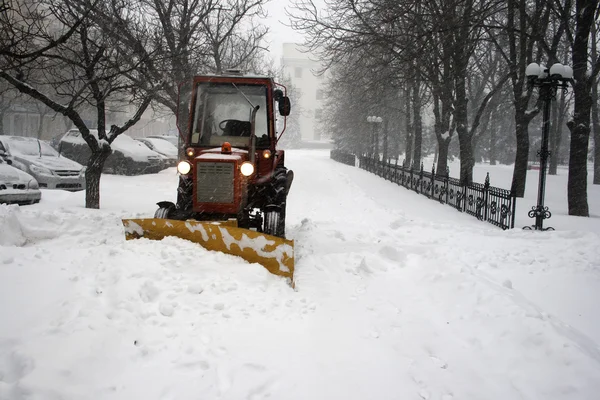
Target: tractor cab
[(222, 111)]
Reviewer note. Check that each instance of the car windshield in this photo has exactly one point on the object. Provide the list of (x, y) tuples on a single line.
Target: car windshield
[(222, 114), (31, 147)]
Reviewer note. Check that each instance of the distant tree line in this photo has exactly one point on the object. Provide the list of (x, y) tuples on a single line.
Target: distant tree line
[(461, 65)]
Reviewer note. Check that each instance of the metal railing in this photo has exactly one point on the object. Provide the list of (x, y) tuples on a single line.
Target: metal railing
[(343, 157), (484, 202)]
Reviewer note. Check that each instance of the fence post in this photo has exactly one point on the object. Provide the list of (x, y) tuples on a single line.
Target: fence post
[(513, 200), (486, 189), (387, 169), (432, 190), (446, 182)]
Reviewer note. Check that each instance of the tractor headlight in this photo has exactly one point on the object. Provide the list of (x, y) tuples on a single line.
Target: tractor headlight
[(184, 167), (247, 168)]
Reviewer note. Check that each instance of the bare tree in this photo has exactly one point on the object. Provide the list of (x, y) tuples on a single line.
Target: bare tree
[(233, 39), (89, 70), (585, 12), (516, 36)]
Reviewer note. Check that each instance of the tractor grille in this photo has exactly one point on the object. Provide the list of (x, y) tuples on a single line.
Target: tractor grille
[(214, 182)]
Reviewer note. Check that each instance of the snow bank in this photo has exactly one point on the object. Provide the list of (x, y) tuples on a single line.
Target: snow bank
[(11, 232)]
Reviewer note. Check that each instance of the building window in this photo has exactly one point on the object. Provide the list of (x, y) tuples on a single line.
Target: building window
[(298, 72), (318, 114), (319, 95)]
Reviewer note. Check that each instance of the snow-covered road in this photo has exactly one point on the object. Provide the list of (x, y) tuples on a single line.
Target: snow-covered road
[(397, 297)]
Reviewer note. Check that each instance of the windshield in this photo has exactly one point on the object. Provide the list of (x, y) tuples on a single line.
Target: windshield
[(222, 114), (31, 147)]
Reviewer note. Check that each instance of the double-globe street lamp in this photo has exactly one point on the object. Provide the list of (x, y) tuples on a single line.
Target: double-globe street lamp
[(373, 120), (548, 81)]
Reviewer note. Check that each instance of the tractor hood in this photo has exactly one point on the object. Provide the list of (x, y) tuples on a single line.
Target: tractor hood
[(238, 155)]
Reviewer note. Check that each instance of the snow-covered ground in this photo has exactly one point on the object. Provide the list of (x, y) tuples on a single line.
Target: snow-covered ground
[(397, 297)]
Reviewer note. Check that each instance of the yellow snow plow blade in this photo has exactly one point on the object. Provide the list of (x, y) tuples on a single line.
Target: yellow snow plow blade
[(272, 252)]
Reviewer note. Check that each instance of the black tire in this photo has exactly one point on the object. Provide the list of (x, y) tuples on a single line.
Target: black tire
[(164, 212), (279, 183), (185, 194), (274, 213), (274, 221)]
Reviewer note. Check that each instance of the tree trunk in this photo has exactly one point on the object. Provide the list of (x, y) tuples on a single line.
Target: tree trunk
[(92, 177), (408, 146), (522, 156), (385, 139), (554, 129), (577, 185), (580, 125), (464, 135), (556, 138), (595, 115), (418, 131), (596, 126), (417, 125), (40, 127), (442, 165), (492, 154)]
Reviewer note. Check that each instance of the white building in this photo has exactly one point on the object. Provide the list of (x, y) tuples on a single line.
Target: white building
[(300, 68)]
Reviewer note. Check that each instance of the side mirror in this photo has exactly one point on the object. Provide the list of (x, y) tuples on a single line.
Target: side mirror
[(277, 94), (4, 156), (285, 106)]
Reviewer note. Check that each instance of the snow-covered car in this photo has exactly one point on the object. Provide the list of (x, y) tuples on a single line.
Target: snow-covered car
[(46, 165), (162, 147), (173, 139), (16, 186), (129, 156)]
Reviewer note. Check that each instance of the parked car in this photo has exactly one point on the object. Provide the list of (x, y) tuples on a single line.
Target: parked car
[(173, 139), (129, 156), (46, 165), (162, 147), (16, 186)]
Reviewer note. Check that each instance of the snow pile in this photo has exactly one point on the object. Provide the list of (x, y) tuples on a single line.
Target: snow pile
[(11, 232)]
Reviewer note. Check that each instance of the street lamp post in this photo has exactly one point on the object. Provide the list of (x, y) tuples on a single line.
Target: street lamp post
[(373, 120), (548, 81)]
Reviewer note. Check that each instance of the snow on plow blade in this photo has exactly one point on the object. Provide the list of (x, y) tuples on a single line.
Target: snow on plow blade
[(272, 252)]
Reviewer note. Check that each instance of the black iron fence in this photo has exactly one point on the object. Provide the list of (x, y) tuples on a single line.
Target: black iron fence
[(485, 202), (342, 157)]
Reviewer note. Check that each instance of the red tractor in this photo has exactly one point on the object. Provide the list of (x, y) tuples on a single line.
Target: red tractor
[(232, 172)]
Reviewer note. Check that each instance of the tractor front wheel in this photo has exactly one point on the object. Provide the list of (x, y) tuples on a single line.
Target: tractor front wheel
[(274, 221), (165, 210)]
